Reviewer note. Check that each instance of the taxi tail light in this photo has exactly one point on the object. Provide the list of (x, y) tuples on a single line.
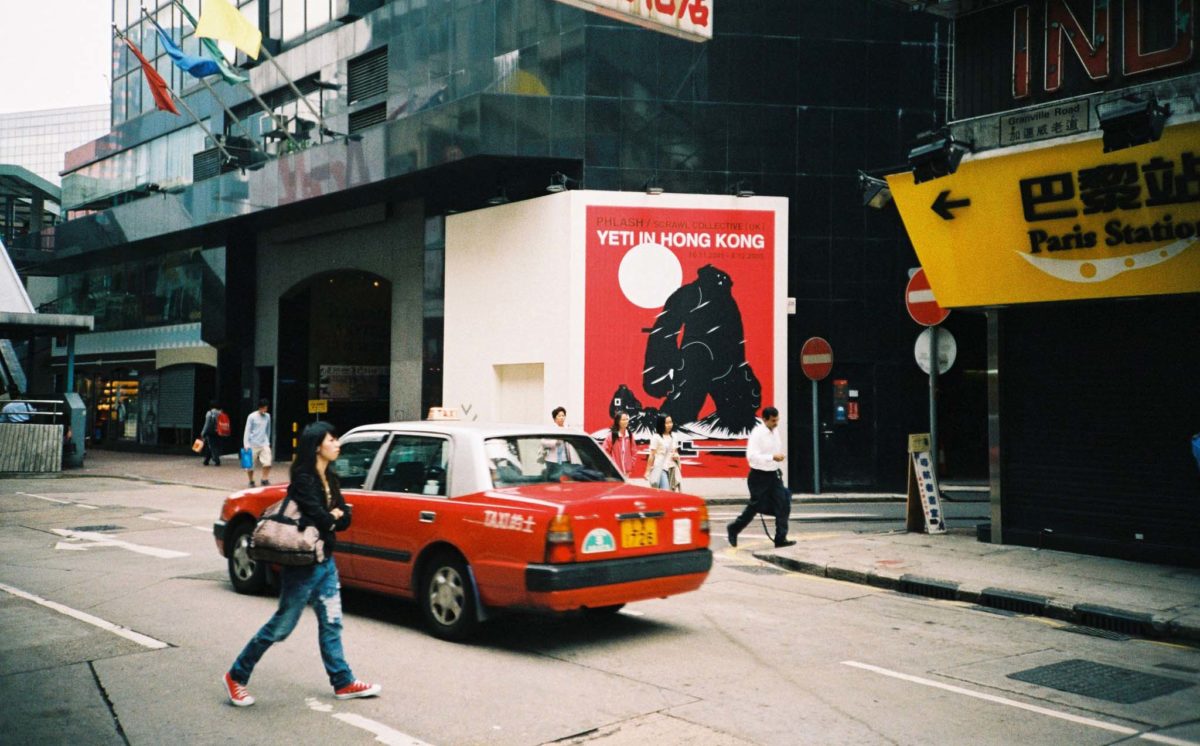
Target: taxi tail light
[(560, 540), (704, 519)]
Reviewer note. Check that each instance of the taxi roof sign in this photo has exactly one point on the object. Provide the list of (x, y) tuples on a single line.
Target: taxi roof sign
[(443, 413)]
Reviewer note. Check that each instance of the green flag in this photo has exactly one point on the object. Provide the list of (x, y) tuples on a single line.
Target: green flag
[(228, 74)]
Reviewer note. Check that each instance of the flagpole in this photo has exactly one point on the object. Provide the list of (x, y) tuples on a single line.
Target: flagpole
[(177, 97), (266, 109), (233, 117)]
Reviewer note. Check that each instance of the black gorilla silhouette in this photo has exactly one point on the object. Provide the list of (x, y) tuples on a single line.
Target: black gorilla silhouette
[(710, 360)]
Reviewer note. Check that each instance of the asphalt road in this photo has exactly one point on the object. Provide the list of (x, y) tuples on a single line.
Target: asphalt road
[(118, 621)]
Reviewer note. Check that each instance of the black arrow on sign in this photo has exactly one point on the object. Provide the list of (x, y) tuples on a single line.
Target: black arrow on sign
[(943, 205)]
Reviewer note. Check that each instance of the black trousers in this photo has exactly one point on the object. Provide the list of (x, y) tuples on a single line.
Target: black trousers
[(769, 496), (210, 449)]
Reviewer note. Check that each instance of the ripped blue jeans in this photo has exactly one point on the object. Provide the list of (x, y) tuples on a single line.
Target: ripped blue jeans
[(299, 587)]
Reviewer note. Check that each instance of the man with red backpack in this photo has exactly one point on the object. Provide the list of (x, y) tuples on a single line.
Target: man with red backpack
[(216, 425)]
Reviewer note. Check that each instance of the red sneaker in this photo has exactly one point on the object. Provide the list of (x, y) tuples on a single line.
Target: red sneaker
[(357, 689), (238, 695)]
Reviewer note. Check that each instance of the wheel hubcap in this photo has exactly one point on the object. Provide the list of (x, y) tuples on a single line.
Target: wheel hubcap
[(446, 595), (243, 566)]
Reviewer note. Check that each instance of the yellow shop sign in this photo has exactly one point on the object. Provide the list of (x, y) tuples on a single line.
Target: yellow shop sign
[(1064, 222)]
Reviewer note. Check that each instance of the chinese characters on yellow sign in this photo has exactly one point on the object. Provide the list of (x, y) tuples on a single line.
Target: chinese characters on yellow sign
[(1064, 222)]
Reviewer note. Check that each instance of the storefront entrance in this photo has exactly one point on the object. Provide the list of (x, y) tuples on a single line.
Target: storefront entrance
[(334, 346)]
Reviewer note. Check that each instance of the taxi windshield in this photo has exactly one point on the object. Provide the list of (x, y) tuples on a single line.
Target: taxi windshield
[(530, 459)]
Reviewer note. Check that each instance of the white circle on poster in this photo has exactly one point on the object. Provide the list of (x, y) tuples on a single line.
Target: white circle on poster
[(947, 350), (648, 274)]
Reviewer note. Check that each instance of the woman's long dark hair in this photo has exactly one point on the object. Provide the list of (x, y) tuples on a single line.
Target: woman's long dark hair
[(660, 424), (616, 426), (306, 452)]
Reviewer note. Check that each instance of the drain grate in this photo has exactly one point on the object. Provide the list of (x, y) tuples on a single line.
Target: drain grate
[(103, 527), (759, 569), (1079, 629), (1115, 620), (1100, 681), (1022, 603), (929, 587)]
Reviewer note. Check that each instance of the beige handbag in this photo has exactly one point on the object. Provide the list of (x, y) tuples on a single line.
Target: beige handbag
[(278, 537)]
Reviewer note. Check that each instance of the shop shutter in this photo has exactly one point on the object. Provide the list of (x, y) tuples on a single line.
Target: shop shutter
[(176, 388), (1099, 401), (367, 75)]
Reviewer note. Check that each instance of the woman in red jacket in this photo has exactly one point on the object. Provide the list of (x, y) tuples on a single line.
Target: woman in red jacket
[(619, 444)]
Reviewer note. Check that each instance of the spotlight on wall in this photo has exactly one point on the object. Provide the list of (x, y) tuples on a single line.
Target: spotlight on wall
[(741, 189), (499, 198), (652, 186), (935, 155), (326, 85), (875, 191), (1131, 121), (560, 182)]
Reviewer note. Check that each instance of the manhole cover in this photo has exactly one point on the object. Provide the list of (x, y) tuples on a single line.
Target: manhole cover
[(759, 569), (1099, 681), (104, 527)]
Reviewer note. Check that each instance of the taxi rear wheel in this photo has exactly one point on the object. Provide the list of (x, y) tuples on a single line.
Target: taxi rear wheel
[(247, 575), (448, 598)]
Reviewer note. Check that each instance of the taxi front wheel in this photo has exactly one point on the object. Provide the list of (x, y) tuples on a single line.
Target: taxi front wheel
[(247, 575), (448, 598)]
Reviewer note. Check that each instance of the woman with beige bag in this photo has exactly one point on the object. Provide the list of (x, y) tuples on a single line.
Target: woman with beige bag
[(314, 489), (662, 463)]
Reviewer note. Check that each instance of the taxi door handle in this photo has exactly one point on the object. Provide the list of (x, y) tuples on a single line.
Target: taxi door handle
[(426, 516)]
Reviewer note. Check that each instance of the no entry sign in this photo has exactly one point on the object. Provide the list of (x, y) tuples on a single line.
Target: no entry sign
[(918, 296), (816, 358)]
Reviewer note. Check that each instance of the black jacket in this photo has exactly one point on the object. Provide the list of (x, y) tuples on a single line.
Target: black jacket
[(309, 496)]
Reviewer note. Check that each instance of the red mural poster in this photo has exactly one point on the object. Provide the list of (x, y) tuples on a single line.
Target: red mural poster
[(680, 321)]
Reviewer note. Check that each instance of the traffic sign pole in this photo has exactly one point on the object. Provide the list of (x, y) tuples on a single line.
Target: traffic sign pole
[(816, 360), (933, 373), (816, 445), (924, 309)]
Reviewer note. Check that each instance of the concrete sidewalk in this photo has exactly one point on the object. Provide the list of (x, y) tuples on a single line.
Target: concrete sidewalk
[(1097, 592), (1109, 595)]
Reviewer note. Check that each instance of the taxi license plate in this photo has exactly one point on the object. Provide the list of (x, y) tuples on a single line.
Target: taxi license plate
[(639, 532)]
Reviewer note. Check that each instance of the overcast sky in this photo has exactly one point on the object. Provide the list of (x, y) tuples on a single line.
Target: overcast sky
[(54, 53)]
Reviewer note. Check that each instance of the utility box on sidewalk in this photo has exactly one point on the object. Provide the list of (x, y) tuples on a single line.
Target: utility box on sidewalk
[(76, 420)]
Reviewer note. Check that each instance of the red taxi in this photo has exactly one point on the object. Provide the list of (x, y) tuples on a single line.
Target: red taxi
[(467, 519)]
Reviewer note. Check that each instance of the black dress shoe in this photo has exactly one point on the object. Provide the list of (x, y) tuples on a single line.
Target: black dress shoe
[(784, 543), (731, 535)]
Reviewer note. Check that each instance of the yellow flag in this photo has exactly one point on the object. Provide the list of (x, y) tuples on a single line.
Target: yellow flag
[(222, 21)]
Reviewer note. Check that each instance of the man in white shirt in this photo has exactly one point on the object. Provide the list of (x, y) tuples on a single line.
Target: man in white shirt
[(257, 437), (768, 494)]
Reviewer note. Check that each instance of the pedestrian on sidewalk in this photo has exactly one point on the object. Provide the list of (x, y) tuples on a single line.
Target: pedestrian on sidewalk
[(662, 462), (314, 488), (768, 494), (208, 433), (619, 443), (257, 438), (555, 452)]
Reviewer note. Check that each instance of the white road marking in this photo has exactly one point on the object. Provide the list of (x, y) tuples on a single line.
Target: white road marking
[(1112, 727), (56, 500), (99, 539), (383, 733), (128, 634), (165, 520)]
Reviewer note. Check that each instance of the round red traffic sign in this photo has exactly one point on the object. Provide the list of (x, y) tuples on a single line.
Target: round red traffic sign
[(816, 358), (918, 296)]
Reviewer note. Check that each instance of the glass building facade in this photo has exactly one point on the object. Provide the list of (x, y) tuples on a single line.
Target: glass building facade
[(38, 139), (455, 102)]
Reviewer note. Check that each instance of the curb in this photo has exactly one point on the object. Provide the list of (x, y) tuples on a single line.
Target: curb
[(1089, 615)]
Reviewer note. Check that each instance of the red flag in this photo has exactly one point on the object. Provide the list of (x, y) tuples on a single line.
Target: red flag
[(158, 86)]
